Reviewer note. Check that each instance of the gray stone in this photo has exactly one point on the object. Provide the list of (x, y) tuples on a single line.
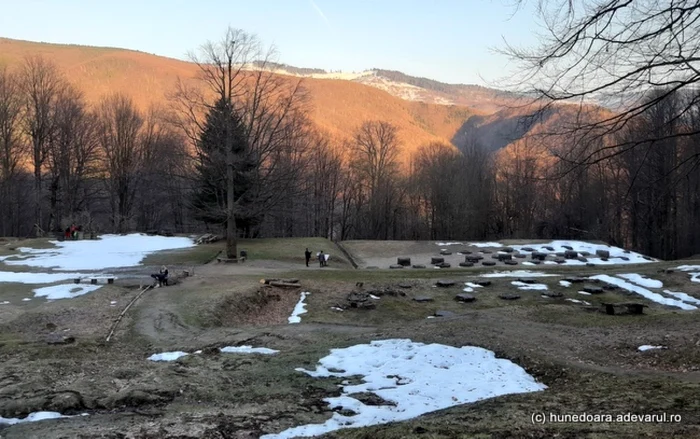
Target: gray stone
[(590, 264), (504, 257), (436, 260), (443, 313), (466, 264), (396, 266), (444, 283), (551, 249), (585, 254), (509, 296), (582, 259), (418, 266), (445, 252), (510, 262), (560, 254), (624, 258), (570, 254), (568, 247), (553, 294), (423, 299), (528, 249), (538, 256), (527, 280), (444, 265), (405, 285), (483, 283), (464, 297), (520, 256), (602, 253), (507, 249), (575, 280), (560, 260), (406, 262), (593, 290), (488, 263)]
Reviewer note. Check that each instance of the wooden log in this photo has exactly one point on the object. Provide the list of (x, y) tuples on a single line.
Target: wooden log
[(121, 315), (406, 262), (435, 260), (281, 284)]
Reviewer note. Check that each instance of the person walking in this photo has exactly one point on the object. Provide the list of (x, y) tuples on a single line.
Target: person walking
[(307, 255)]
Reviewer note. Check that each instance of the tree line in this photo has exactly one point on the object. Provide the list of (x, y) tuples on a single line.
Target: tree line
[(234, 152)]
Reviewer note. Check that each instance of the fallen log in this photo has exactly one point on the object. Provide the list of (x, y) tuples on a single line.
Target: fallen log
[(121, 315), (281, 284)]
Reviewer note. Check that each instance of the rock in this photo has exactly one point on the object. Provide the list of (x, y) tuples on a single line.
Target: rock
[(553, 294), (568, 247), (436, 260), (423, 299), (65, 402), (536, 262), (504, 256), (443, 313), (551, 249), (528, 249), (406, 262), (560, 254), (570, 254), (444, 265), (464, 297), (363, 305), (590, 264), (473, 259), (466, 264), (483, 283), (405, 285), (649, 259), (510, 262), (495, 256), (137, 398), (372, 267), (520, 256), (602, 253), (445, 252), (445, 283), (604, 259), (616, 309), (466, 252), (575, 280), (59, 339), (395, 266), (627, 252), (593, 290), (507, 249), (560, 260), (669, 271), (488, 263), (418, 266), (526, 280), (582, 259), (538, 256), (509, 296)]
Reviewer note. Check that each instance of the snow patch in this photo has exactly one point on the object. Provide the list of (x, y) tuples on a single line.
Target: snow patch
[(642, 280), (168, 356), (683, 296), (524, 286), (299, 309), (565, 283), (418, 378), (485, 244), (35, 417), (647, 347), (578, 301), (109, 251), (443, 244), (654, 297), (37, 278), (517, 273), (65, 291), (247, 350)]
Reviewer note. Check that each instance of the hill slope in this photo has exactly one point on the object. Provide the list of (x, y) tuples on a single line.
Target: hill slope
[(339, 106)]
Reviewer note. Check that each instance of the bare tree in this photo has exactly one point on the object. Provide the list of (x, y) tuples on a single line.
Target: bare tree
[(612, 52), (270, 109), (12, 148), (41, 85), (72, 156), (122, 147)]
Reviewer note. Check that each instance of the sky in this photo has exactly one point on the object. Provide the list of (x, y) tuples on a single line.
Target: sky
[(447, 40)]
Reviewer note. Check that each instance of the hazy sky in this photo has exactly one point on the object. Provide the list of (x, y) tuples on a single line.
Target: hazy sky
[(447, 40)]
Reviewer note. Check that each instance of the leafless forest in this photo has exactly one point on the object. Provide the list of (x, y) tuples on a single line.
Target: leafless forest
[(239, 143)]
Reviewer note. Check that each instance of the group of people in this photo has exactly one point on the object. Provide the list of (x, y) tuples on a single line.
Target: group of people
[(322, 257), (72, 231)]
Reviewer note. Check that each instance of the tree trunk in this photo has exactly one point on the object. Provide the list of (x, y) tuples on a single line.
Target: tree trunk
[(231, 244)]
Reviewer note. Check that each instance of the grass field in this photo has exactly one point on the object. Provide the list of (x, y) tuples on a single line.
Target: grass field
[(588, 360)]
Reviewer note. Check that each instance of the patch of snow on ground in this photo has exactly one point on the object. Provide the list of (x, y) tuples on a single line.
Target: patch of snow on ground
[(683, 296), (485, 244), (34, 417), (168, 356), (654, 297), (26, 299), (585, 293), (616, 253), (109, 251), (647, 347), (642, 280), (299, 309), (578, 301), (442, 244), (5, 303), (37, 278), (247, 350), (65, 291), (518, 273), (472, 285), (373, 297), (565, 283), (694, 271), (524, 286), (468, 289), (418, 378)]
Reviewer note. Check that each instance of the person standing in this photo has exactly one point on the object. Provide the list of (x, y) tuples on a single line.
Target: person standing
[(307, 254), (321, 258)]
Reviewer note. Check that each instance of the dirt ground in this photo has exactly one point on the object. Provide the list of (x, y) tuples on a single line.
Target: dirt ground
[(589, 360)]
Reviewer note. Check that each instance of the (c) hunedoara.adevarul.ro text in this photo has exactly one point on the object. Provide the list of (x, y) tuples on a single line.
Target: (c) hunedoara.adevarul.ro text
[(573, 418)]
